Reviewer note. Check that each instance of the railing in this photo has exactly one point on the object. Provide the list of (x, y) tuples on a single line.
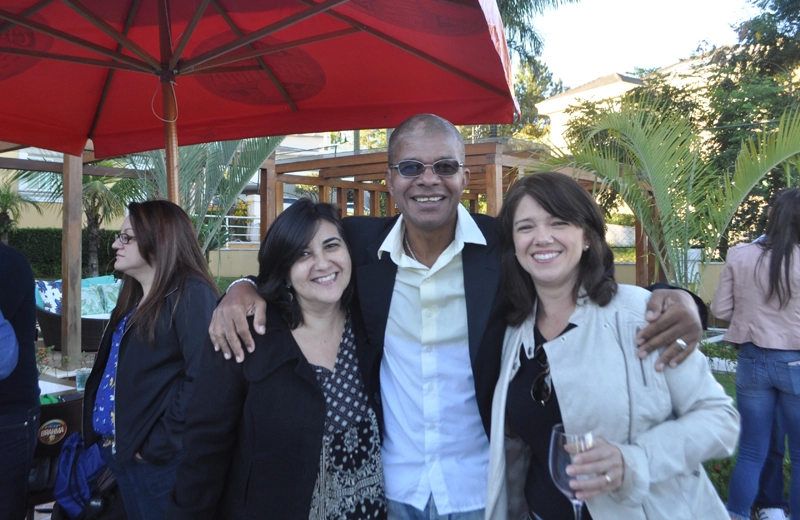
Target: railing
[(243, 232)]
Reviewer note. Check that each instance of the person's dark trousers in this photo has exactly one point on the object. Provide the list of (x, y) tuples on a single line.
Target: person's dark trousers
[(770, 484), (17, 441), (145, 487)]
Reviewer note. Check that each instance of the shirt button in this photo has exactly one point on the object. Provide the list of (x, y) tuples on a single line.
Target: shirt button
[(431, 426), (432, 458), (427, 279), (428, 313)]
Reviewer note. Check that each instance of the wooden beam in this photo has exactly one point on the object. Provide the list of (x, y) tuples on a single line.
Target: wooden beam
[(317, 181), (9, 163), (71, 263), (494, 183)]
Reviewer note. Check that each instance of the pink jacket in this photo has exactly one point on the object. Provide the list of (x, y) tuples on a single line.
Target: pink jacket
[(741, 299)]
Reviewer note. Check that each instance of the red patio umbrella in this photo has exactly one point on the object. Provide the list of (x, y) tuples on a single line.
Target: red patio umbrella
[(129, 74), (133, 75)]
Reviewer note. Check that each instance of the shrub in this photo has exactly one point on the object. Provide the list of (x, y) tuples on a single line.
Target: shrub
[(42, 248)]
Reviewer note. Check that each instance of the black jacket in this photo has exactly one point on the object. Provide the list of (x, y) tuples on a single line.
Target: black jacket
[(254, 432), (485, 307), (154, 382), (19, 392)]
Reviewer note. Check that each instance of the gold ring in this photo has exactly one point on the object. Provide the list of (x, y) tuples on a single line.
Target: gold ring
[(608, 479)]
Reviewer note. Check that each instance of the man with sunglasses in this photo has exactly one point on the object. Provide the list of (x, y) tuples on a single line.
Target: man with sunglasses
[(426, 288)]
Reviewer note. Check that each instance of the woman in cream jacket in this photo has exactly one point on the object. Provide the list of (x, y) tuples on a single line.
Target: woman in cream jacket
[(572, 322)]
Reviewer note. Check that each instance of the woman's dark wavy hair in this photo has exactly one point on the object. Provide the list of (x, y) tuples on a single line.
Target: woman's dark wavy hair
[(166, 240), (283, 244), (562, 197), (780, 244)]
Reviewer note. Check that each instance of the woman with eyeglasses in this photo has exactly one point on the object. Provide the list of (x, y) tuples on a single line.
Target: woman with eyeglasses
[(143, 378), (290, 433), (570, 357)]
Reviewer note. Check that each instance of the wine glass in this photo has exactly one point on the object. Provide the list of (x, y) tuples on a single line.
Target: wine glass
[(562, 447)]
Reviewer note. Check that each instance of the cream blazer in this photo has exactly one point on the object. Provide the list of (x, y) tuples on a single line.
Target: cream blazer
[(664, 423)]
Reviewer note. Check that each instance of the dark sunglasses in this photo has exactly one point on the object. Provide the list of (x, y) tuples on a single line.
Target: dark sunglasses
[(542, 387), (411, 168)]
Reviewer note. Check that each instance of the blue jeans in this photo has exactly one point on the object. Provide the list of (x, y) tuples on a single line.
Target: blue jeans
[(400, 511), (145, 487), (770, 483), (17, 441), (764, 382)]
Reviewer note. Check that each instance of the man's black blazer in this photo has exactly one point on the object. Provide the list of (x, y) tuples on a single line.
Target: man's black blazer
[(375, 283)]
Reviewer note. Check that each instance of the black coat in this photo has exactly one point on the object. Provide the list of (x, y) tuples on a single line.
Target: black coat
[(154, 382), (254, 433)]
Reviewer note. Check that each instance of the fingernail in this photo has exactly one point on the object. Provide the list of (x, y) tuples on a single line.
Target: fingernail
[(239, 359), (260, 329), (251, 348), (227, 355)]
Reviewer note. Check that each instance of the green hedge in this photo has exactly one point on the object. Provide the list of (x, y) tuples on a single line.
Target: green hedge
[(42, 247)]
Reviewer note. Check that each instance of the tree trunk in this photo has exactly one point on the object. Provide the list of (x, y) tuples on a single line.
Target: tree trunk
[(92, 245), (5, 225)]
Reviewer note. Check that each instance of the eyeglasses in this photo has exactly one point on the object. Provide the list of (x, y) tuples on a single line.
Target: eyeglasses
[(125, 238), (411, 168), (542, 387)]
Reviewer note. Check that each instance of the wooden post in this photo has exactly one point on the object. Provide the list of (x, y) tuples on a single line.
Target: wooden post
[(358, 202), (494, 183), (71, 262), (341, 201), (324, 193), (267, 191), (390, 209), (375, 203), (641, 256)]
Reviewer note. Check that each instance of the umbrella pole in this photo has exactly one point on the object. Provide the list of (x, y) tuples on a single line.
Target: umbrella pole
[(170, 107), (171, 141)]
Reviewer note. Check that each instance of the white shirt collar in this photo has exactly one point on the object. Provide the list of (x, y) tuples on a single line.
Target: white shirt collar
[(467, 232)]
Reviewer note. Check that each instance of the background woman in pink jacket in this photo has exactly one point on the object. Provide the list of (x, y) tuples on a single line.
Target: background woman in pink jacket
[(759, 293)]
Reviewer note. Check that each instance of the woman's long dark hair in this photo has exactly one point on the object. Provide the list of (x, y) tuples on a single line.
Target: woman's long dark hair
[(283, 244), (562, 197), (780, 244), (166, 239)]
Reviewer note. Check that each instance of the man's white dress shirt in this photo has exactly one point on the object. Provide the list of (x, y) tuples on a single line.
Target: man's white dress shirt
[(434, 441)]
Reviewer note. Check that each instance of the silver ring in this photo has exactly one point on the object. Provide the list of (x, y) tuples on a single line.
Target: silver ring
[(682, 344), (608, 479)]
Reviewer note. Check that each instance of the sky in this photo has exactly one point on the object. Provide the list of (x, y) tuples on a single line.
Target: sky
[(595, 38)]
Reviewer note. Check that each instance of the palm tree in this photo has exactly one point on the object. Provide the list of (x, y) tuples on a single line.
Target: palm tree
[(655, 162), (104, 198), (211, 174), (11, 205)]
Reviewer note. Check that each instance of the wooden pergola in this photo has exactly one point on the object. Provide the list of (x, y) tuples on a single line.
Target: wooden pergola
[(492, 162)]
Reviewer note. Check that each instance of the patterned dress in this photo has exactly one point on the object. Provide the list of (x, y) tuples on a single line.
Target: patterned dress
[(350, 479)]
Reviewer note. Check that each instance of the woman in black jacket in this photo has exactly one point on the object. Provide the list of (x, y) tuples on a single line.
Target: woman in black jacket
[(291, 432), (137, 393)]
